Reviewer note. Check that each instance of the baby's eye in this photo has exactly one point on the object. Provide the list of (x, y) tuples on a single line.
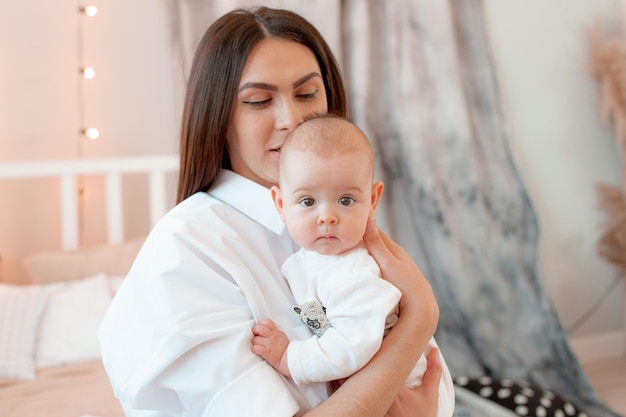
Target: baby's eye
[(307, 202), (346, 201)]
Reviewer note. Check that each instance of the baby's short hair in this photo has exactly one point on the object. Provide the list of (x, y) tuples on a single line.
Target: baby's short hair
[(326, 135)]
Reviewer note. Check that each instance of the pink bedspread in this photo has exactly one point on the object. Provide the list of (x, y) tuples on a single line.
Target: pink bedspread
[(73, 390)]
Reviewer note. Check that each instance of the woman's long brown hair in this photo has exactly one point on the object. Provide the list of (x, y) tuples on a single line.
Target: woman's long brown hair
[(214, 78)]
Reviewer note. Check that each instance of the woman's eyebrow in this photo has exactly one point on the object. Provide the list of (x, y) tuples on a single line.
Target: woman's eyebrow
[(263, 86), (272, 87), (304, 79)]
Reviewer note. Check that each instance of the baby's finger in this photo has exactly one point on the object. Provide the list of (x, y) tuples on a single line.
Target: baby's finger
[(269, 323), (262, 330), (259, 349)]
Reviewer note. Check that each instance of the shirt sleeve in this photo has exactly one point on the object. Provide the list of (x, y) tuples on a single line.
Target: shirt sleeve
[(447, 399), (177, 340)]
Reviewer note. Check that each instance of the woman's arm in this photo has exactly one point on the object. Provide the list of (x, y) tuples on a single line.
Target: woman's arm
[(398, 268), (372, 390)]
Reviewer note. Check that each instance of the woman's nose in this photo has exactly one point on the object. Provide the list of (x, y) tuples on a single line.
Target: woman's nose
[(289, 116)]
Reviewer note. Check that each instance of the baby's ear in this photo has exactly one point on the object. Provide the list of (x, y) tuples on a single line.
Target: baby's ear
[(377, 191), (277, 197)]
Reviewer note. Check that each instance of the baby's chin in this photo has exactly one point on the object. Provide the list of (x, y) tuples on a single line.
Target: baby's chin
[(330, 248)]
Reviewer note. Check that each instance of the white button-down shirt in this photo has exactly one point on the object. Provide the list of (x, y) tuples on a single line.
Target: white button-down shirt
[(176, 340)]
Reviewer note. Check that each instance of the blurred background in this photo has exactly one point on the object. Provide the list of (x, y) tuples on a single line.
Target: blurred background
[(140, 52)]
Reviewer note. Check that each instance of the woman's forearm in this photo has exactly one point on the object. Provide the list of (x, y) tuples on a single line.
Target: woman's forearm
[(371, 391)]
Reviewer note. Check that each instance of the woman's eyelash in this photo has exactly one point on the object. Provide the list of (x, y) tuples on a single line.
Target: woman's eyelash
[(308, 95), (259, 103)]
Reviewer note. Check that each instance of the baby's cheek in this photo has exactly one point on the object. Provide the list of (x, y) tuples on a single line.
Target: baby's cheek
[(302, 232)]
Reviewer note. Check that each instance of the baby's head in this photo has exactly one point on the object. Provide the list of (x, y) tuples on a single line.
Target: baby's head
[(326, 192)]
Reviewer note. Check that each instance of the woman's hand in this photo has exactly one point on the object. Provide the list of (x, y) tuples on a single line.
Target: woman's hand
[(378, 387), (398, 268), (422, 401)]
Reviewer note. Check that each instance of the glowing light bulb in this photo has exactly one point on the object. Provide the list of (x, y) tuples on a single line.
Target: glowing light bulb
[(89, 10), (88, 72), (91, 132)]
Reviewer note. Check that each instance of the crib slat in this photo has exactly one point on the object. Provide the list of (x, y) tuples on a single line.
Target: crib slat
[(113, 169), (69, 212), (115, 217), (157, 196)]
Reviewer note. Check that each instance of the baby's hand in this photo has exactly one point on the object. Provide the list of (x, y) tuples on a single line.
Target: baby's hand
[(271, 344)]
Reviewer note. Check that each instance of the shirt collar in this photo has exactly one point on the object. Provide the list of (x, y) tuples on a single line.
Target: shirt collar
[(249, 197)]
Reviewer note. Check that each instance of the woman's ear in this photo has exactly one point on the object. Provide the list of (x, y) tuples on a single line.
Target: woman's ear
[(377, 191), (277, 197)]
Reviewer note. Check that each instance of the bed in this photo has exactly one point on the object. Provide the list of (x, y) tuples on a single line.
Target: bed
[(49, 359)]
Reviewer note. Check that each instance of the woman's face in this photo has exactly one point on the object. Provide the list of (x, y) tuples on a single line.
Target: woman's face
[(280, 85)]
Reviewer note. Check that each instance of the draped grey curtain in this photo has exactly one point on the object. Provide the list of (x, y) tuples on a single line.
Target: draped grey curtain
[(422, 85)]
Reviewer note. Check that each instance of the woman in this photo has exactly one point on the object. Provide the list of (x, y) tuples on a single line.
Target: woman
[(177, 338)]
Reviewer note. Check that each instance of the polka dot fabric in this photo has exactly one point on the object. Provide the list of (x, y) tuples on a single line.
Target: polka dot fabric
[(520, 397)]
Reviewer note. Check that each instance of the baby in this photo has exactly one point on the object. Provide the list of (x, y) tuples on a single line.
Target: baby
[(326, 194)]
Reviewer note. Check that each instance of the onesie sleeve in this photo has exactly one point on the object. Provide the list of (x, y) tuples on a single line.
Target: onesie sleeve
[(357, 307)]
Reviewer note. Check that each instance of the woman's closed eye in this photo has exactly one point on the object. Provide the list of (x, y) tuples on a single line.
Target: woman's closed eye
[(308, 96), (257, 103), (263, 103)]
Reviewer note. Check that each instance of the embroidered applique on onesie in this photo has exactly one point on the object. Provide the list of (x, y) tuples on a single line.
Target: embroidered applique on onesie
[(313, 314)]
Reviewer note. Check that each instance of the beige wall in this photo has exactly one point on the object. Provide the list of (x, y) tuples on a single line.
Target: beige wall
[(133, 100), (560, 145)]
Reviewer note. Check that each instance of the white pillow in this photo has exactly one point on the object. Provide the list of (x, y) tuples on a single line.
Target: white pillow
[(73, 312), (20, 311)]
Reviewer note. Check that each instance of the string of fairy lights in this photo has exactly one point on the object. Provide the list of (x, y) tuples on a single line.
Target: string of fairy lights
[(86, 73)]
